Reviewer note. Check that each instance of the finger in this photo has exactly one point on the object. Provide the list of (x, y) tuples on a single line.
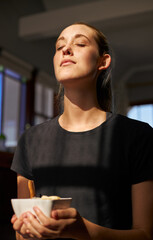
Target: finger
[(49, 225), (64, 213), (35, 223), (22, 231), (31, 231), (17, 224), (13, 219), (41, 216), (41, 230), (54, 214), (32, 218)]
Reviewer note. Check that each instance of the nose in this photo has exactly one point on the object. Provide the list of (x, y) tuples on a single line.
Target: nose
[(67, 50)]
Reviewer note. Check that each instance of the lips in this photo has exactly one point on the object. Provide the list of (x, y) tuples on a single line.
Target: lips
[(67, 62)]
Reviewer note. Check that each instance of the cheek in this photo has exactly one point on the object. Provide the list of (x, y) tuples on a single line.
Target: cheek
[(91, 60)]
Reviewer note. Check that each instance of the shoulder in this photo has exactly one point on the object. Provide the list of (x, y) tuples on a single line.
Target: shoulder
[(50, 124), (131, 124), (41, 130), (129, 129)]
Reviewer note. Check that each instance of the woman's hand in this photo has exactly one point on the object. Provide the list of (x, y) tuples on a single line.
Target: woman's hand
[(62, 223), (20, 227)]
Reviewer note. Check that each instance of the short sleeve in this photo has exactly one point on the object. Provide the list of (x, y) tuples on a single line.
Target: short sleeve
[(20, 163), (142, 154)]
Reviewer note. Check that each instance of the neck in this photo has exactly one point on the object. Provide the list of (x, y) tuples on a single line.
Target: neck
[(81, 111)]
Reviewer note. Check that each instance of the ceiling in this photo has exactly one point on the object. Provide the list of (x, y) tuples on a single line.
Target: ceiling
[(32, 26)]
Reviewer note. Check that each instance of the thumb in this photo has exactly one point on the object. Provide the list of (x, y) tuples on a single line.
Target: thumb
[(54, 214)]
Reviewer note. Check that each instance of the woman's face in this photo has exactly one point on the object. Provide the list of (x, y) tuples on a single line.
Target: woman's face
[(77, 55)]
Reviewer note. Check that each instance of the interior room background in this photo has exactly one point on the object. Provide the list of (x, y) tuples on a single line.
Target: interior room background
[(28, 31)]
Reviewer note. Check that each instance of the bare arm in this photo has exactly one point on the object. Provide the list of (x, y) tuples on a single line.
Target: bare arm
[(68, 223), (142, 206)]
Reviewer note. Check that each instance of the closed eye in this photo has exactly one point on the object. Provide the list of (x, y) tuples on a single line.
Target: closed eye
[(59, 48), (80, 44)]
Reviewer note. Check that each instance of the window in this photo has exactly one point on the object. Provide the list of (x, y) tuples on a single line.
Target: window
[(142, 113), (43, 103), (26, 97), (12, 105)]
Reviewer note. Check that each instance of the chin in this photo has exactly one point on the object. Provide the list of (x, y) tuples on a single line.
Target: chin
[(66, 78)]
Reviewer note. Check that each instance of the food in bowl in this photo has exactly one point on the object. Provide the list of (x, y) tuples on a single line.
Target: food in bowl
[(45, 203), (50, 197)]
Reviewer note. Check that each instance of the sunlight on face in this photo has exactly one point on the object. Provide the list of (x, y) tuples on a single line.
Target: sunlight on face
[(77, 55)]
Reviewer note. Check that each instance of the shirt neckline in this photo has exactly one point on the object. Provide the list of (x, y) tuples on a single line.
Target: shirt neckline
[(109, 117)]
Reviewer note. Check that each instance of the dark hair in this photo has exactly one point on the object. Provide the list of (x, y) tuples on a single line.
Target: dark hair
[(103, 87)]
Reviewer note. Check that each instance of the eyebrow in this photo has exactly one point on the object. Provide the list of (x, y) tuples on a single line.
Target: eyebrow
[(76, 36)]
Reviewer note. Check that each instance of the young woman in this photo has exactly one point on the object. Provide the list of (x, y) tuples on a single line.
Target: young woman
[(103, 161)]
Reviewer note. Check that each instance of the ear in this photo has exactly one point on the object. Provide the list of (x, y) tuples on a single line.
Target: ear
[(105, 61)]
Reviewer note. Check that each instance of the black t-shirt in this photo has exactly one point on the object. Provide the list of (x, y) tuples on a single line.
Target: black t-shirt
[(96, 167)]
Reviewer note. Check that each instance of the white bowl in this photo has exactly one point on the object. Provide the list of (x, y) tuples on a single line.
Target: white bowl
[(46, 206)]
